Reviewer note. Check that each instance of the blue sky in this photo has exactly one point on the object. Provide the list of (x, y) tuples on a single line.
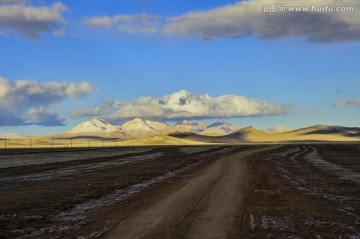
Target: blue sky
[(303, 81)]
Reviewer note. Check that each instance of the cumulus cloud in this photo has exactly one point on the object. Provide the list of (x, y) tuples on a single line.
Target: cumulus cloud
[(12, 1), (77, 89), (44, 117), (246, 18), (347, 103), (21, 17), (185, 105), (104, 21), (97, 111), (137, 23), (112, 104), (18, 96), (18, 93)]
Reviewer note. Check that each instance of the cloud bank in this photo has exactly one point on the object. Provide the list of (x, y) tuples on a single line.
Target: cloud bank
[(21, 17), (97, 111), (44, 117), (347, 103), (246, 18), (17, 97), (137, 23), (185, 105)]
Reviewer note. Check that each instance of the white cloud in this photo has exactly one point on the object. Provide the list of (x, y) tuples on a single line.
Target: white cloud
[(347, 103), (112, 104), (137, 23), (97, 111), (246, 18), (78, 89), (12, 1), (31, 21), (185, 105), (104, 21), (21, 92), (44, 117), (21, 95)]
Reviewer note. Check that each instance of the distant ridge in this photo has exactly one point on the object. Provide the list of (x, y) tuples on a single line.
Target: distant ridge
[(279, 129), (220, 128), (312, 133), (331, 130), (217, 132), (12, 135)]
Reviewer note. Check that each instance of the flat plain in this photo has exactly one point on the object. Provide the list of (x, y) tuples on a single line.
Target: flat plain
[(208, 191)]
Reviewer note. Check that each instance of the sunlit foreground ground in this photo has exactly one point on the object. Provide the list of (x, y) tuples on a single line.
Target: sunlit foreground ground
[(74, 143)]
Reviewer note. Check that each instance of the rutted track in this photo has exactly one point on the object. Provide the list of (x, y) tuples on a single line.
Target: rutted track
[(73, 171), (21, 157), (298, 193), (204, 207)]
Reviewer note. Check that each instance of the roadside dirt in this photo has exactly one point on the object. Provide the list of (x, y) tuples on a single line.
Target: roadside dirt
[(295, 192)]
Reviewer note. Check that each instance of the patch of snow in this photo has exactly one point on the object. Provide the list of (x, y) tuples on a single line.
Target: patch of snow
[(68, 173), (252, 224), (220, 128), (278, 223), (76, 216), (342, 173), (192, 150), (268, 192), (141, 124), (16, 160), (187, 126), (93, 126)]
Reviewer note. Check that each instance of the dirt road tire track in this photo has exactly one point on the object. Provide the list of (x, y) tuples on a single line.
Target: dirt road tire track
[(204, 206)]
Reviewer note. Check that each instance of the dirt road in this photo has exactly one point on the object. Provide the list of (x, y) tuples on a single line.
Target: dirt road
[(204, 207)]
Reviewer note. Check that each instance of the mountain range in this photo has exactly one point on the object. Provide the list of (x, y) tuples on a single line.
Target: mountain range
[(139, 127), (186, 132), (316, 133), (218, 132)]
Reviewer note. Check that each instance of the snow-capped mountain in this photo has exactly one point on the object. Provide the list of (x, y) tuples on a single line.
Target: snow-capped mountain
[(187, 126), (220, 128), (156, 125), (93, 126), (139, 127), (141, 124), (279, 129)]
